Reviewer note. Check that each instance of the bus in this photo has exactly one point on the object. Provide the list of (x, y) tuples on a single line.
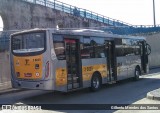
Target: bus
[(68, 60)]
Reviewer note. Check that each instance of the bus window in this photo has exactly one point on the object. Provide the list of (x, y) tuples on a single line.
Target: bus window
[(86, 48), (58, 44), (127, 47), (98, 47), (28, 43)]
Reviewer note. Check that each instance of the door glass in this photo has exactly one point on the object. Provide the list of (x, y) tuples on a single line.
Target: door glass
[(72, 59), (71, 56)]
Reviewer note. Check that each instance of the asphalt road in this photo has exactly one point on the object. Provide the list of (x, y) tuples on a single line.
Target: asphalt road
[(123, 92)]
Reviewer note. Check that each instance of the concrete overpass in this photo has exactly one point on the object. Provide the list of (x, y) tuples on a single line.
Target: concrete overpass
[(26, 14)]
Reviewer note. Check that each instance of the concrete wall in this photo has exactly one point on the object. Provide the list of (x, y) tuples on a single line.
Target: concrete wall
[(154, 40), (4, 71), (17, 14)]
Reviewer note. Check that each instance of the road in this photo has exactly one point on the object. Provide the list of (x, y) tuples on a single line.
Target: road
[(124, 92)]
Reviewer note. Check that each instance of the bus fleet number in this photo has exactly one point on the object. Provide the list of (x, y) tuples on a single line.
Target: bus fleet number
[(88, 68)]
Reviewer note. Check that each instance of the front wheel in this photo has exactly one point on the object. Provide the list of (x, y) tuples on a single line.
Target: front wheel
[(137, 74), (95, 83)]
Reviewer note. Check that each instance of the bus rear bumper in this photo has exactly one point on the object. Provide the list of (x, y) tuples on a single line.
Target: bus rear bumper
[(41, 85)]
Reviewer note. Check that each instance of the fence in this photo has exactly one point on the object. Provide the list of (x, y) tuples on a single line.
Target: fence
[(78, 12)]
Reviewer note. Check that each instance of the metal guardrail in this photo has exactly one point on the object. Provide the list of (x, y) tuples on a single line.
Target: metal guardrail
[(132, 30), (78, 12)]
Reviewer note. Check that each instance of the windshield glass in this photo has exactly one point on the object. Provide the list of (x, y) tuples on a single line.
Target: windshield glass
[(29, 42)]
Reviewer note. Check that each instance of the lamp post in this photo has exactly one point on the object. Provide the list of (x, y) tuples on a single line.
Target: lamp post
[(154, 17)]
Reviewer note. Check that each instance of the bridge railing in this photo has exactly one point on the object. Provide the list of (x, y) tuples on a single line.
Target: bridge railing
[(137, 29), (78, 12)]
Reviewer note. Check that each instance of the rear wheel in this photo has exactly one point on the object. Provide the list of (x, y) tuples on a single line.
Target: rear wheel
[(137, 73), (95, 82)]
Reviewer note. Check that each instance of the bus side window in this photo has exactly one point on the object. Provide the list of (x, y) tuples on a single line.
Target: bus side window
[(58, 44), (98, 47), (119, 47), (86, 48)]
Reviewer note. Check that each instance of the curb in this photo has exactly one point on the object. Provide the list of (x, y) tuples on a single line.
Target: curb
[(11, 90), (152, 97)]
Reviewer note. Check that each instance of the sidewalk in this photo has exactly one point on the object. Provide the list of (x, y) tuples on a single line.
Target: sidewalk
[(154, 95), (6, 87), (10, 90)]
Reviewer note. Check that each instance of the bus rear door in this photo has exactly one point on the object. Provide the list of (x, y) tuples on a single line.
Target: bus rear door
[(111, 61), (145, 51)]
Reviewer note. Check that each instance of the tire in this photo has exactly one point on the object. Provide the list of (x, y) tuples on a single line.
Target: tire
[(137, 73), (95, 83)]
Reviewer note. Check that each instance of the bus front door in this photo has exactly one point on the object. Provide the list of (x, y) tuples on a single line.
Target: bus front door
[(111, 61), (73, 64), (145, 51)]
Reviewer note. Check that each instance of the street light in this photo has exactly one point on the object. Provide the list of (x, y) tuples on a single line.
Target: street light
[(154, 17)]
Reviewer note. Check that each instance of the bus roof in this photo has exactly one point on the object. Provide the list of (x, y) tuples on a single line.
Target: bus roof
[(85, 32)]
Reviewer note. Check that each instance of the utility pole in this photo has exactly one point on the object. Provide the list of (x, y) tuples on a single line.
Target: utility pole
[(154, 17)]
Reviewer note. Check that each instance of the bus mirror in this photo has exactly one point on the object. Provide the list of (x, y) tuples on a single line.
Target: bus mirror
[(148, 49)]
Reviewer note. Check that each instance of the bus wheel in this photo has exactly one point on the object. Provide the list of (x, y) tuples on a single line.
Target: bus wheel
[(95, 82), (137, 73)]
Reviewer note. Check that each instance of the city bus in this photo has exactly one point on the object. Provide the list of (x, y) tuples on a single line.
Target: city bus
[(68, 60)]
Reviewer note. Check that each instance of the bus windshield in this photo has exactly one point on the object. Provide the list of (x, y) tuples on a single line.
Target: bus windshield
[(28, 42)]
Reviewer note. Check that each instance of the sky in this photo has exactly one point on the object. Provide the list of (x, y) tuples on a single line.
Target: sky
[(135, 12)]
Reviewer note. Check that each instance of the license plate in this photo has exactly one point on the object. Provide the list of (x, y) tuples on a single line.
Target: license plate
[(28, 74)]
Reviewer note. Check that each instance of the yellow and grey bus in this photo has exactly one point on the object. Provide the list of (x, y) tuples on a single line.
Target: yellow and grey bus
[(67, 60)]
